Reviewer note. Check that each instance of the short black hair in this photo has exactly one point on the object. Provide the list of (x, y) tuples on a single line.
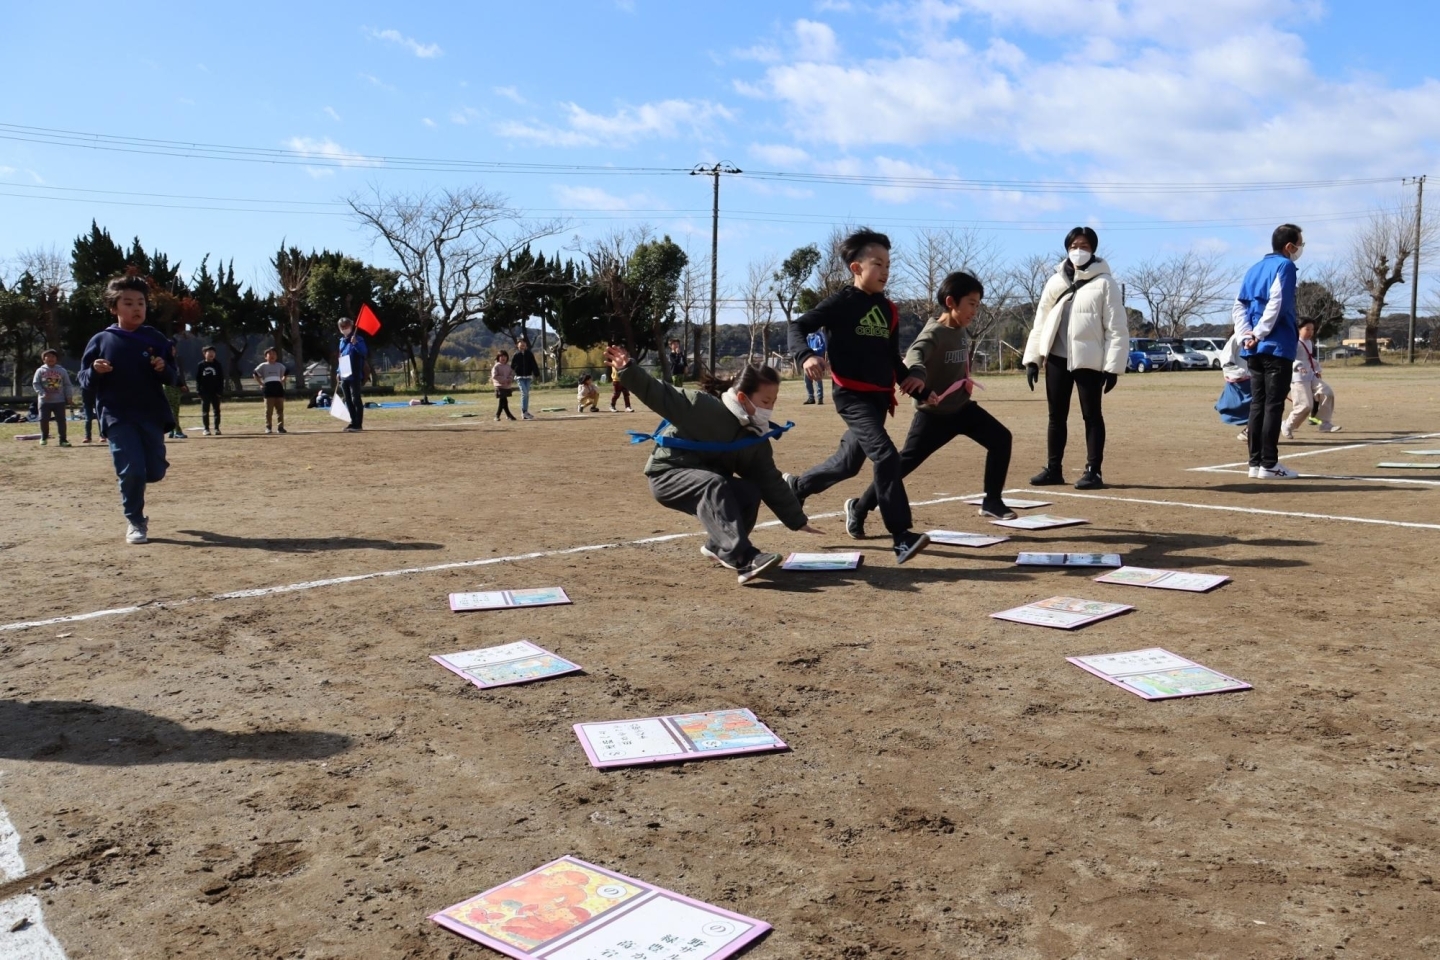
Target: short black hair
[(207, 348), (854, 245), (959, 285), (1088, 233), (118, 285), (1284, 235), (1307, 321)]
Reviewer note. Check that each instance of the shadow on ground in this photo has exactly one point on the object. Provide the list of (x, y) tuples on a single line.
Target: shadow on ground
[(206, 538)]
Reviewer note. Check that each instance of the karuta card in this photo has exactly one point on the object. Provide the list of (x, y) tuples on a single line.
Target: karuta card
[(573, 910), (1064, 613), (954, 538), (1157, 674), (686, 736), (1068, 560), (505, 599), (1039, 521), (1012, 504), (1410, 466), (1421, 453), (518, 662), (822, 561), (1163, 579)]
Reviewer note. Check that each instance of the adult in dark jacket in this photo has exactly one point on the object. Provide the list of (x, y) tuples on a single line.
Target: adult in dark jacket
[(722, 468), (352, 346), (526, 369), (127, 366)]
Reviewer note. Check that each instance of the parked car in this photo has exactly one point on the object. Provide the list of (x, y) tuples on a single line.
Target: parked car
[(1187, 359), (1340, 353), (1146, 355), (1137, 362), (1208, 347)]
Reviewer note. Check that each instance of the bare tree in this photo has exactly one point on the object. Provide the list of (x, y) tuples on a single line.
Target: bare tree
[(292, 276), (690, 298), (1181, 288), (759, 303), (1378, 259), (833, 273), (449, 244), (918, 267), (51, 273)]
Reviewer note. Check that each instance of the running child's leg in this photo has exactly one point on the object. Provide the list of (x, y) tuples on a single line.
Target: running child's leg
[(726, 507), (843, 464), (1324, 404), (1302, 400), (928, 433), (977, 423), (865, 414)]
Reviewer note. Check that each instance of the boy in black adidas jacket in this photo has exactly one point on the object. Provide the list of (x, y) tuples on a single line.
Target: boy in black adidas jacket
[(862, 334)]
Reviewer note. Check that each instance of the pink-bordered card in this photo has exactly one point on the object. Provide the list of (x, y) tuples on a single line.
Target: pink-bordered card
[(518, 662), (1158, 674), (1164, 579), (683, 736), (573, 910), (508, 599)]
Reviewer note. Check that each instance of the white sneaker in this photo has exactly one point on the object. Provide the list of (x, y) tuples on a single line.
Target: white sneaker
[(1254, 473), (1277, 472), (1243, 436), (135, 534), (1286, 432), (629, 410), (1329, 428)]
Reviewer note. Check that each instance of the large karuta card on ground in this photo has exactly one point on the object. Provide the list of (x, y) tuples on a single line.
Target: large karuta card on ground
[(1068, 560), (1163, 579), (1157, 674), (1421, 453), (1012, 504), (823, 561), (1038, 521), (685, 736), (954, 538), (506, 599), (573, 910), (1410, 466), (518, 662), (1065, 613)]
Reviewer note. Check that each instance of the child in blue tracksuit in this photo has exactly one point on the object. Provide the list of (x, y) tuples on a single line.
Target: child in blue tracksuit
[(127, 366)]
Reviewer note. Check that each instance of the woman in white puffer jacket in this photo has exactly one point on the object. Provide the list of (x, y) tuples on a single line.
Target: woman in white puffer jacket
[(1081, 337)]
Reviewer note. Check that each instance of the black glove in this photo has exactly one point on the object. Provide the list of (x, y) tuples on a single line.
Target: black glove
[(1110, 381), (1032, 373)]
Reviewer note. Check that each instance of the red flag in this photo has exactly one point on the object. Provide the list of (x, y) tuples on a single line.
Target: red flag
[(367, 320)]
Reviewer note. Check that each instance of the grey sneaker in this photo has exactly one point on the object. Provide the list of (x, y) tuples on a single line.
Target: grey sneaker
[(758, 564), (854, 519), (996, 510), (911, 545), (707, 551), (1277, 472), (136, 533)]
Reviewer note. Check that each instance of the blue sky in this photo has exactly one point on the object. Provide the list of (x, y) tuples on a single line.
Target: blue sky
[(1059, 92)]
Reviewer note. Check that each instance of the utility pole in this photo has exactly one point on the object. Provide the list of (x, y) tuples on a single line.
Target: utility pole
[(1415, 267), (714, 172)]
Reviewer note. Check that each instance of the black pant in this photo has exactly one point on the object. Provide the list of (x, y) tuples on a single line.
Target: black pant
[(502, 405), (864, 413), (1090, 384), (206, 405), (1269, 386), (350, 396), (726, 507), (931, 431)]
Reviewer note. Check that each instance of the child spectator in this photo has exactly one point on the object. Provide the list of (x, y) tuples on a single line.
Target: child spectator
[(526, 370), (619, 389), (1308, 392), (815, 386), (502, 375), (1234, 403), (676, 359), (587, 395), (53, 393), (126, 365), (271, 377), (210, 384)]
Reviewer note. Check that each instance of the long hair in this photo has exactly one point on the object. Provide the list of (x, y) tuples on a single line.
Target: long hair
[(747, 381)]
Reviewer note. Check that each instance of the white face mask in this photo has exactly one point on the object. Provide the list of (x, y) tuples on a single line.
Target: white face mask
[(1299, 251), (761, 416), (1081, 257)]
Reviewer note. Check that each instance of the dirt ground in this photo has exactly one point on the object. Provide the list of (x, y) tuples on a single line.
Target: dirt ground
[(289, 775)]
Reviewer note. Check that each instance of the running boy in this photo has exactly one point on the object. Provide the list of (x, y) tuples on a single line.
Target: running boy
[(210, 384), (126, 365), (53, 392), (717, 464), (940, 357), (1308, 392), (862, 337), (271, 377)]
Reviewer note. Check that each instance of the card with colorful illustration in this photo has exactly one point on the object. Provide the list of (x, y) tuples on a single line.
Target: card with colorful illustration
[(1164, 579), (1064, 613), (573, 910), (954, 538), (1068, 560), (506, 599), (1012, 504), (686, 736), (1157, 674), (518, 662), (1038, 521), (823, 561)]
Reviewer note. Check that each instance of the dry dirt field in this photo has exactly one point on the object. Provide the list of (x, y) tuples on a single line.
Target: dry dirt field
[(287, 774)]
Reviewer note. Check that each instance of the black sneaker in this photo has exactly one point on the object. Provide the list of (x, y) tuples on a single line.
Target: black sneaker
[(1047, 478), (854, 519), (1090, 480), (808, 401), (821, 401), (996, 510), (793, 482), (912, 544), (758, 564), (280, 430)]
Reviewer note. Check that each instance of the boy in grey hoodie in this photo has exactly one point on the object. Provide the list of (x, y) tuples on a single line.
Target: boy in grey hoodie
[(54, 391), (940, 357)]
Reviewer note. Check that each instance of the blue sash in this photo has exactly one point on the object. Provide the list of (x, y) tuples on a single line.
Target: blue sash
[(705, 446)]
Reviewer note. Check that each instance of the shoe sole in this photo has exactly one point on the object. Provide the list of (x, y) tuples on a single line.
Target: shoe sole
[(1267, 475), (706, 551), (1008, 515), (749, 575), (914, 549)]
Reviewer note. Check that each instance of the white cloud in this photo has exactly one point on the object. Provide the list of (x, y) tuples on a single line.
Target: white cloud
[(328, 149), (425, 51), (330, 112), (815, 41), (6, 171), (427, 121), (594, 198), (665, 119), (779, 154), (464, 116), (833, 6), (375, 81), (510, 93)]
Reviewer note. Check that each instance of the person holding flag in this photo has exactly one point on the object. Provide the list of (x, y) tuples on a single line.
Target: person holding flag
[(351, 370)]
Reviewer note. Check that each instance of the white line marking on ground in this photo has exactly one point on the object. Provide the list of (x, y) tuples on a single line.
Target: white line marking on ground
[(406, 571), (1336, 476), (1316, 453), (35, 941), (1256, 510)]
